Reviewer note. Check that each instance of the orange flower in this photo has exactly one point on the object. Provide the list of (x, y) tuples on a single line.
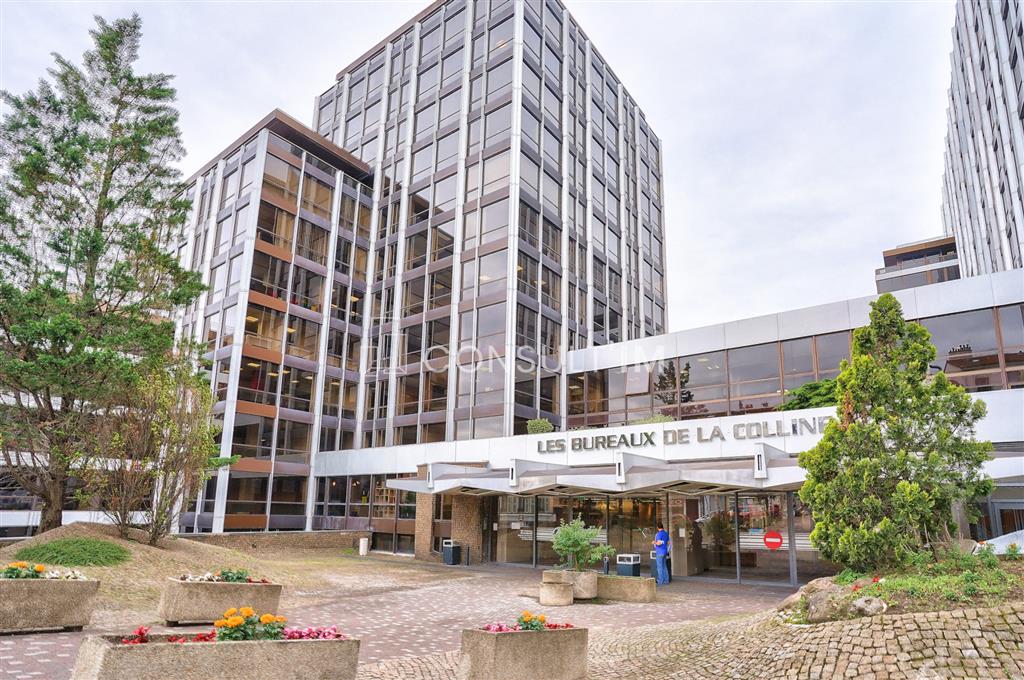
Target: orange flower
[(268, 618), (541, 618), (40, 569), (234, 621), (18, 565), (280, 619), (230, 612), (219, 623), (247, 612), (527, 616)]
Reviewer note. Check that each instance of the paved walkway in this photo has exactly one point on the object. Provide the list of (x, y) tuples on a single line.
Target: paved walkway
[(424, 619), (973, 643)]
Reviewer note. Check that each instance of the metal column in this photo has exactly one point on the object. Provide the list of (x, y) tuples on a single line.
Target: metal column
[(791, 535), (736, 528)]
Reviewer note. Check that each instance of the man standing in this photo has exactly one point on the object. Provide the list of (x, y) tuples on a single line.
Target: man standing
[(660, 543)]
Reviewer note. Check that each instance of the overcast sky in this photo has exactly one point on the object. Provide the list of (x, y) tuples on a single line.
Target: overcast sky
[(800, 138)]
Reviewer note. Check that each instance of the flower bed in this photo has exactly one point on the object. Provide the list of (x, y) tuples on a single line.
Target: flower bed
[(33, 597), (528, 649), (201, 599), (242, 638)]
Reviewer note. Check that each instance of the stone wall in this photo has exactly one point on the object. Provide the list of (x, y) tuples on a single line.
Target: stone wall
[(270, 540), (425, 528), (468, 526)]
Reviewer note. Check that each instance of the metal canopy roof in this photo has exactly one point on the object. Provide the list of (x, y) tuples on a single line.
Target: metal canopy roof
[(630, 475)]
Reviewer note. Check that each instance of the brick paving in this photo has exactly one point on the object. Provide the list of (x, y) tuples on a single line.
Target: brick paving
[(420, 617), (696, 629), (972, 643)]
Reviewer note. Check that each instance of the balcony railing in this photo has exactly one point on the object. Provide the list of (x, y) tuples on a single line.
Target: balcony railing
[(919, 262)]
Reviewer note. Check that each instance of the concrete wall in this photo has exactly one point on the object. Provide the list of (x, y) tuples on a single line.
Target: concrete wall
[(264, 540)]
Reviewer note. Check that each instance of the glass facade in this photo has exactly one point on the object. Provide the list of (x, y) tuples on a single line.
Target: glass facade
[(982, 350), (518, 215)]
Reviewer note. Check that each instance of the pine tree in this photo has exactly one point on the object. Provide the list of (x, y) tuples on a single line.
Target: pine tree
[(886, 476), (90, 209)]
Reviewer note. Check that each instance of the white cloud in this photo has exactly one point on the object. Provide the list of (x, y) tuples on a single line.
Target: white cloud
[(800, 139)]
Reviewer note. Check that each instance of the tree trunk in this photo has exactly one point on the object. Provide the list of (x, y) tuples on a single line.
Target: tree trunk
[(52, 514)]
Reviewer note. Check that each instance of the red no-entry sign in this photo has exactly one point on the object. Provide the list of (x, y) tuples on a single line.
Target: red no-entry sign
[(773, 540)]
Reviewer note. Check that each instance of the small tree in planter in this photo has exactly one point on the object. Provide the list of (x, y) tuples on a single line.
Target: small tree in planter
[(720, 527), (576, 544)]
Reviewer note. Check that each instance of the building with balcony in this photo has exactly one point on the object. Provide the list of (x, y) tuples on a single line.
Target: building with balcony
[(920, 263)]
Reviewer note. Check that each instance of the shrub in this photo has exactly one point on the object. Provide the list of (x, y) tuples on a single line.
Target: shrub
[(539, 426), (76, 552), (574, 543), (234, 575), (1013, 552), (883, 480)]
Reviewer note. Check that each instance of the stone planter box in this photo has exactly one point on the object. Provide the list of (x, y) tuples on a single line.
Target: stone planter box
[(584, 583), (524, 655), (625, 588), (206, 601), (45, 604), (555, 594), (106, 658)]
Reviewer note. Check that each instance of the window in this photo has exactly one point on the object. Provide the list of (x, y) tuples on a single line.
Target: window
[(444, 194), (498, 125), (531, 129), (832, 349), (528, 275), (449, 108), (428, 81), (493, 270), (280, 178), (451, 68), (312, 242), (263, 327), (499, 80), (526, 336), (257, 381), (302, 335), (269, 275), (495, 172), (494, 221), (500, 36), (426, 121), (307, 289), (296, 388)]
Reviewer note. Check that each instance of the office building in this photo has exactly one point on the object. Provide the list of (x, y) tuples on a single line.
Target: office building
[(982, 204)]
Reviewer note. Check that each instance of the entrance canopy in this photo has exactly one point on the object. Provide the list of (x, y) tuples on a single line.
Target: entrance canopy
[(629, 475)]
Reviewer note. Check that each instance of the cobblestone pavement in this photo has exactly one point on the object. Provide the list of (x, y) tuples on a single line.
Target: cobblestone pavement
[(974, 643), (696, 629), (424, 618)]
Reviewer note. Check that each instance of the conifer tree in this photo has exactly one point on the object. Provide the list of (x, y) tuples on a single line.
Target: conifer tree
[(90, 211), (886, 476)]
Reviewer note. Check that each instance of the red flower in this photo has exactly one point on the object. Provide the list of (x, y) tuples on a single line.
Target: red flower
[(856, 587), (876, 579), (139, 637)]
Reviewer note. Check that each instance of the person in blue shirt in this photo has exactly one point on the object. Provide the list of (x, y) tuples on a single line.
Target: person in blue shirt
[(661, 543)]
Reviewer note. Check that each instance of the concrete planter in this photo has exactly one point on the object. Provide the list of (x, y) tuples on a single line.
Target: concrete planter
[(206, 601), (555, 594), (106, 658), (584, 583), (45, 604), (524, 655), (625, 588)]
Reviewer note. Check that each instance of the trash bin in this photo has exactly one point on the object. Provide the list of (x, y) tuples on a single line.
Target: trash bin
[(451, 552), (654, 565), (627, 564)]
